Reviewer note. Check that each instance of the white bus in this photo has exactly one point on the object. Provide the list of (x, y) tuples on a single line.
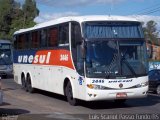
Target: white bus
[(85, 57), (6, 68)]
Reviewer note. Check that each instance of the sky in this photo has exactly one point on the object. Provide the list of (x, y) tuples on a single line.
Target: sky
[(143, 10)]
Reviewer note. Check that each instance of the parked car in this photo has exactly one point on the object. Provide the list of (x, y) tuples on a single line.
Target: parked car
[(154, 80)]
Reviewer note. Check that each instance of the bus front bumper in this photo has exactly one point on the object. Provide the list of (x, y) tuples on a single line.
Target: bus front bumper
[(94, 95)]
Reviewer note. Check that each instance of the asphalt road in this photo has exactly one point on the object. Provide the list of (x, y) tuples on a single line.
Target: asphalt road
[(42, 105)]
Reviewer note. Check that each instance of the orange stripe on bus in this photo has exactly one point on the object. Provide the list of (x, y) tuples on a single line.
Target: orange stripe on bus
[(53, 57)]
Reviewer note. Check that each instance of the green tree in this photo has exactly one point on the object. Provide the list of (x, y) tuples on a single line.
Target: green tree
[(151, 32), (17, 18), (13, 16), (6, 9), (30, 11)]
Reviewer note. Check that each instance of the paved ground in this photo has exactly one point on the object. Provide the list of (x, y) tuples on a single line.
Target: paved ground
[(44, 105)]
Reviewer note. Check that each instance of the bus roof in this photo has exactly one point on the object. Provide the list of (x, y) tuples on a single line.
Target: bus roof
[(4, 41), (79, 19)]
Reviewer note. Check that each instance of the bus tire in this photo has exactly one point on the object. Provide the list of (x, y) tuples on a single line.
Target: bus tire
[(29, 87), (23, 82), (69, 95)]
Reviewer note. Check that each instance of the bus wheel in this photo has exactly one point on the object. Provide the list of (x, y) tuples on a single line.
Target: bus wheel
[(29, 85), (69, 94), (23, 82)]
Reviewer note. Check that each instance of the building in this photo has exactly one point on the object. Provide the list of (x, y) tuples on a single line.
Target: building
[(153, 51)]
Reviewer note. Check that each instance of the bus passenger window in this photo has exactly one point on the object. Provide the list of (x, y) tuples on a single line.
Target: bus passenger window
[(27, 40), (21, 42), (53, 37), (35, 40), (63, 34), (43, 38)]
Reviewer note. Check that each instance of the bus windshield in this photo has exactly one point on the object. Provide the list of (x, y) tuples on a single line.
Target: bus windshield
[(116, 59), (5, 57), (115, 51), (113, 30)]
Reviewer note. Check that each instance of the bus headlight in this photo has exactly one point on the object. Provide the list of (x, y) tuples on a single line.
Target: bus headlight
[(142, 84), (97, 87)]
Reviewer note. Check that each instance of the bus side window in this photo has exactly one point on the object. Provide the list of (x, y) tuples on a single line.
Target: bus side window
[(27, 40), (35, 39), (21, 42), (63, 34), (43, 38), (76, 34), (53, 37)]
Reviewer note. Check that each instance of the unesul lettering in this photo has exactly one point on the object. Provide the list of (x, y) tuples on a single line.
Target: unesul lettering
[(35, 59)]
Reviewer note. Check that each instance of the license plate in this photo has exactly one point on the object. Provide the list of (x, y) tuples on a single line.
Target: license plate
[(121, 95)]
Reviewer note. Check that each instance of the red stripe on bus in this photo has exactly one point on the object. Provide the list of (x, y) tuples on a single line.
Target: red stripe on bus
[(53, 57)]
